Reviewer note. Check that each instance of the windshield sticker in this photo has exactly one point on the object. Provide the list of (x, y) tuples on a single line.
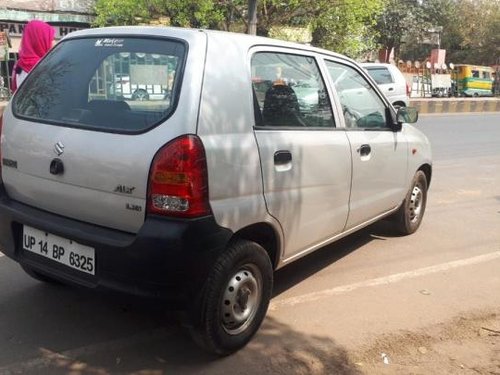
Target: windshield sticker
[(108, 42)]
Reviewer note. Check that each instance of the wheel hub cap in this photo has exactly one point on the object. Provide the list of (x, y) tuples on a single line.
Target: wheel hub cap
[(415, 206), (240, 301)]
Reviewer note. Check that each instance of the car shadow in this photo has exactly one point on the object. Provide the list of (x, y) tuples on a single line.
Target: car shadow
[(303, 268), (48, 329), (55, 329)]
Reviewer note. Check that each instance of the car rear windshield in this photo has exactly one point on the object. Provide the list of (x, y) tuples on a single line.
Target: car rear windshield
[(108, 84), (380, 75)]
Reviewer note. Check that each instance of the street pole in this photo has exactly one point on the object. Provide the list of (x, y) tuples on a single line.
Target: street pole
[(252, 17)]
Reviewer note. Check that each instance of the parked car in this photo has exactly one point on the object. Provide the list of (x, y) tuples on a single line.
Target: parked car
[(391, 81), (260, 157)]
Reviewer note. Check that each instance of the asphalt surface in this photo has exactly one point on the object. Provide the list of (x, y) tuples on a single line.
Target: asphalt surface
[(343, 298)]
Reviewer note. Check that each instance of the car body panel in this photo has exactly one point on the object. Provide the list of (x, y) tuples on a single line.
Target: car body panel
[(379, 181), (309, 196)]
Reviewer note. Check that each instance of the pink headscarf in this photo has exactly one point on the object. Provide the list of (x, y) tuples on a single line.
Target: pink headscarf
[(36, 42)]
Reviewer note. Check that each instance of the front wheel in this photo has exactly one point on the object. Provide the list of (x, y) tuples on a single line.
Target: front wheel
[(234, 301), (409, 216)]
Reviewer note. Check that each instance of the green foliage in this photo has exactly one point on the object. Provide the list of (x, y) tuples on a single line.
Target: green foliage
[(346, 26), (120, 12), (272, 13), (470, 28), (184, 13), (189, 13), (400, 19), (478, 33)]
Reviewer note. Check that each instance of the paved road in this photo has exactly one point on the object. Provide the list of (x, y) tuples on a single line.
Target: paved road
[(349, 300)]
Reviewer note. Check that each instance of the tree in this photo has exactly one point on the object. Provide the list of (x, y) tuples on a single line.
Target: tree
[(470, 29), (184, 13), (346, 26), (252, 17), (120, 12), (479, 32), (440, 16), (400, 19)]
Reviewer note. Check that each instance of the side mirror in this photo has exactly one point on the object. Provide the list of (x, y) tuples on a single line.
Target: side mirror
[(408, 115)]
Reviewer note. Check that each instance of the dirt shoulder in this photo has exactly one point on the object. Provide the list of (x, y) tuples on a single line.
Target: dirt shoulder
[(468, 344)]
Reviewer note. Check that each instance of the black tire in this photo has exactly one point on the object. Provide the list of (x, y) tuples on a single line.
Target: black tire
[(234, 300), (409, 216), (38, 276)]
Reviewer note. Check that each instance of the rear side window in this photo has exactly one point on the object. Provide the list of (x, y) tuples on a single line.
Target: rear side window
[(289, 91), (380, 75), (108, 84)]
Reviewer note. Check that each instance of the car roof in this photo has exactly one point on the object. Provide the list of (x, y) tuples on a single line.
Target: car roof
[(375, 65), (191, 34)]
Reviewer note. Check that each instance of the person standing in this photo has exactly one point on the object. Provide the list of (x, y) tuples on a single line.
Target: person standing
[(36, 41)]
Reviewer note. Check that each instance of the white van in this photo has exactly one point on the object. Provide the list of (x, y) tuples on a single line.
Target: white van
[(391, 81), (264, 152)]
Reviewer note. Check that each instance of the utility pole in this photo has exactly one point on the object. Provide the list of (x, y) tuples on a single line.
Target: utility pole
[(252, 17)]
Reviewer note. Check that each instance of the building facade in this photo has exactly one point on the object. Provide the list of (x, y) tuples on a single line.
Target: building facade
[(64, 15)]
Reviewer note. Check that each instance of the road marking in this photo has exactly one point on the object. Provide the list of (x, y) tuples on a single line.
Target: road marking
[(386, 280)]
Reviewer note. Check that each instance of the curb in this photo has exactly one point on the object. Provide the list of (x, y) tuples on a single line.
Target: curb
[(461, 105)]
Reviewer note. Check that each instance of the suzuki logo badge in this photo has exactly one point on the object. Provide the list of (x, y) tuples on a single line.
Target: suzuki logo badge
[(59, 148)]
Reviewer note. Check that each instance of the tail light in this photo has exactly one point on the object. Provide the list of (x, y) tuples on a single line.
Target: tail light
[(408, 89), (178, 179)]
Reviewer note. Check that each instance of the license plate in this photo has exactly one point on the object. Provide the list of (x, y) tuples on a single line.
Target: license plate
[(59, 249)]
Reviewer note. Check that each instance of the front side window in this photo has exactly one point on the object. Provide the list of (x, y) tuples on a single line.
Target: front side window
[(289, 91), (361, 106), (109, 84)]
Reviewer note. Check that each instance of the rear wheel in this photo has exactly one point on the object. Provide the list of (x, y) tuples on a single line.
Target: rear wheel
[(140, 94), (411, 212), (234, 300)]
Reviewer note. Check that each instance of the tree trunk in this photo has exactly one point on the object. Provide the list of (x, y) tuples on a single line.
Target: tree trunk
[(252, 17)]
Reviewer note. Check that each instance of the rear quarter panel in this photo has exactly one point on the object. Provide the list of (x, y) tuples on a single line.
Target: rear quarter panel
[(226, 129)]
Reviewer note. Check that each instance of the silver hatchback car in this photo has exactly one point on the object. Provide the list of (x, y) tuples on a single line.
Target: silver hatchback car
[(262, 152)]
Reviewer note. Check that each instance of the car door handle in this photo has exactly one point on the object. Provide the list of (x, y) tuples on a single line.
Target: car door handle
[(364, 150), (282, 157), (391, 88)]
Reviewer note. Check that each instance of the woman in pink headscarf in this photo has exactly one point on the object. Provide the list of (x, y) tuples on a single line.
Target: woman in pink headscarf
[(36, 42)]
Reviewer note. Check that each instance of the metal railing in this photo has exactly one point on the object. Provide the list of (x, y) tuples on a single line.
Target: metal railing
[(5, 74)]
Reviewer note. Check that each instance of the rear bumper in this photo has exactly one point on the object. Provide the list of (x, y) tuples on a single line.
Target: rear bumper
[(168, 258)]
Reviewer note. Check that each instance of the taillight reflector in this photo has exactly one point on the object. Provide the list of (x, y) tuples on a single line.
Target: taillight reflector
[(178, 181)]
